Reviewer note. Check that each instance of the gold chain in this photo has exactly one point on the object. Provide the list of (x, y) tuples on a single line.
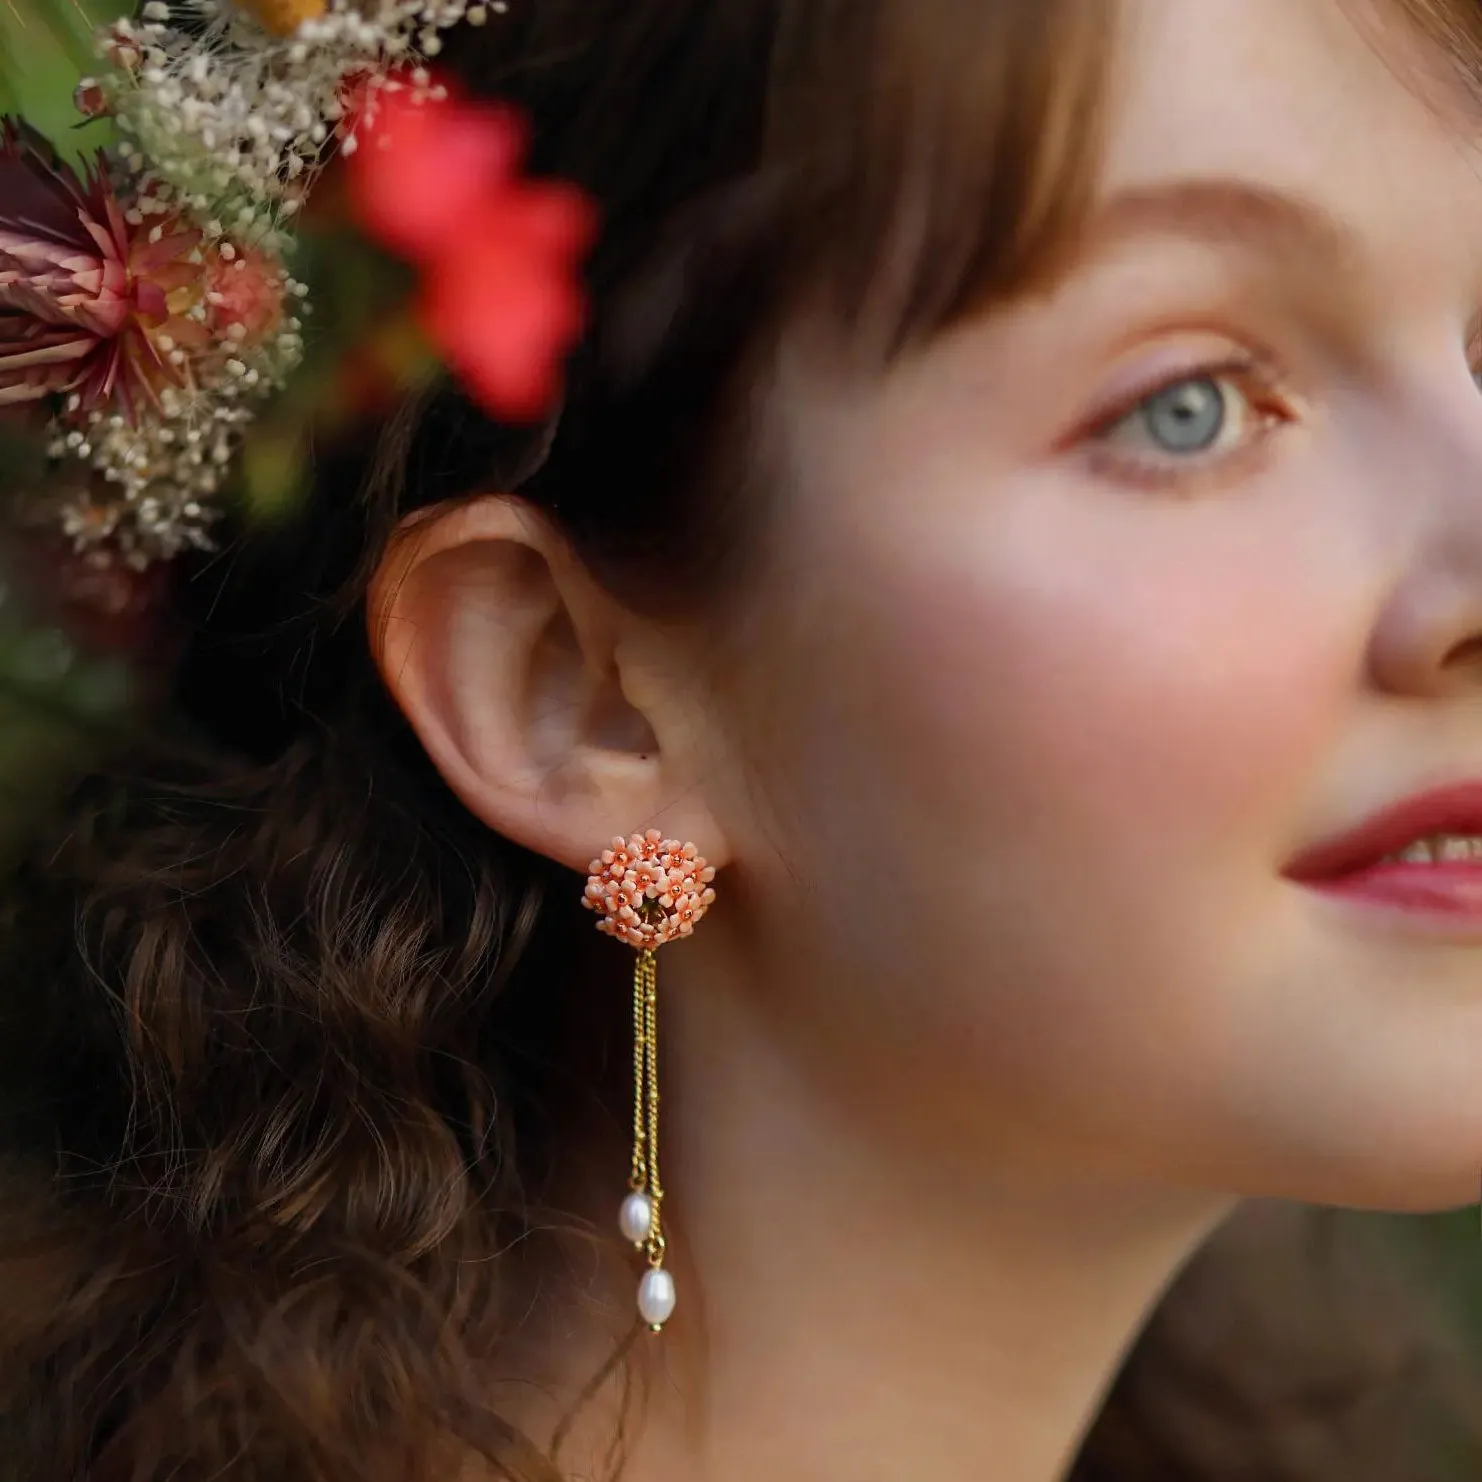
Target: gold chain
[(649, 969), (638, 1178)]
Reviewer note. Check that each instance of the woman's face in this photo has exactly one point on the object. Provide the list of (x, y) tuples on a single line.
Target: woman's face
[(1098, 615)]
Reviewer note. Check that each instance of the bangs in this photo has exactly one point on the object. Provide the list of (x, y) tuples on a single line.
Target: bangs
[(942, 153), (1456, 27), (878, 168), (897, 161)]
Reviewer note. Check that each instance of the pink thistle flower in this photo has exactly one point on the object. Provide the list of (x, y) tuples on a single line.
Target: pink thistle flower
[(649, 890), (501, 299), (95, 299)]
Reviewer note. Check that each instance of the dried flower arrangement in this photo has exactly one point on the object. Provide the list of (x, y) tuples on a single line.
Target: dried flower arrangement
[(147, 306)]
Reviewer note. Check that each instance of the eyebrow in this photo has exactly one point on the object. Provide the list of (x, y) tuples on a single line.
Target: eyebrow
[(1221, 213)]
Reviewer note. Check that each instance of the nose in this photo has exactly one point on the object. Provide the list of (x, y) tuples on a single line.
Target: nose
[(1434, 648), (1428, 639)]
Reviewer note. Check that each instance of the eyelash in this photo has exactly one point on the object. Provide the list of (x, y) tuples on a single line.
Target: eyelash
[(1253, 377)]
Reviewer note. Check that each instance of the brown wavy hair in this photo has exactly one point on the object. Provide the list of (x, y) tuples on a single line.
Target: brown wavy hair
[(296, 1026)]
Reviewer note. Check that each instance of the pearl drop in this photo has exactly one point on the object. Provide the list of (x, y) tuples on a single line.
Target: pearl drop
[(637, 1218), (656, 1298)]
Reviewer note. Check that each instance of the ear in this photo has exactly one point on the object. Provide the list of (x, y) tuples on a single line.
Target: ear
[(546, 707)]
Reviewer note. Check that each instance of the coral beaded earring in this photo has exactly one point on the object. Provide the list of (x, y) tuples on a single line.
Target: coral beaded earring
[(648, 890)]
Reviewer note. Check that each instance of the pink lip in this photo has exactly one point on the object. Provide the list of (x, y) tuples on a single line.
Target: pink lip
[(1353, 865)]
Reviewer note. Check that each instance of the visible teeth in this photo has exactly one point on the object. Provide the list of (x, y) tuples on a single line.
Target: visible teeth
[(1443, 848)]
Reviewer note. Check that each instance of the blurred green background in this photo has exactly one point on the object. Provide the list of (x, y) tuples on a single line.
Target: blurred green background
[(45, 46)]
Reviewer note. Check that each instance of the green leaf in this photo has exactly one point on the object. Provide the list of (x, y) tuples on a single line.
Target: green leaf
[(46, 47)]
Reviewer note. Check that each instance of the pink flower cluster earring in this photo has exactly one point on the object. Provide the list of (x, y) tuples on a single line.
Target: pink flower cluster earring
[(648, 890)]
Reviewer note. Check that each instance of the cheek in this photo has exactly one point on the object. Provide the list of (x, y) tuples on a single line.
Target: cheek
[(1071, 708), (1141, 690), (1041, 775)]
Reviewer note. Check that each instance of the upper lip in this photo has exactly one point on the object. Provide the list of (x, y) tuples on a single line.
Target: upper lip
[(1456, 809)]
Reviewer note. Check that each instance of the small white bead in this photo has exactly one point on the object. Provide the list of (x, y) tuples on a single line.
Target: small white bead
[(637, 1218), (656, 1298)]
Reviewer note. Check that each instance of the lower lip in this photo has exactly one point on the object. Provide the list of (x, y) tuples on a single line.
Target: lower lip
[(1451, 890)]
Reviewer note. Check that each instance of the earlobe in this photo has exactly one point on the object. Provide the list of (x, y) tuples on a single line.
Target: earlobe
[(507, 660)]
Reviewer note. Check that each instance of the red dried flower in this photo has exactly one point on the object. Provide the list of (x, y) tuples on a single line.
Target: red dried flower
[(91, 302), (501, 298)]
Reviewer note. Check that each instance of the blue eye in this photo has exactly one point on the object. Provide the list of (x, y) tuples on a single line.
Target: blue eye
[(1202, 425), (1186, 417)]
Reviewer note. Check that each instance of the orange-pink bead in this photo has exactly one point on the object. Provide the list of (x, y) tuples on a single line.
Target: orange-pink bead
[(648, 890)]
